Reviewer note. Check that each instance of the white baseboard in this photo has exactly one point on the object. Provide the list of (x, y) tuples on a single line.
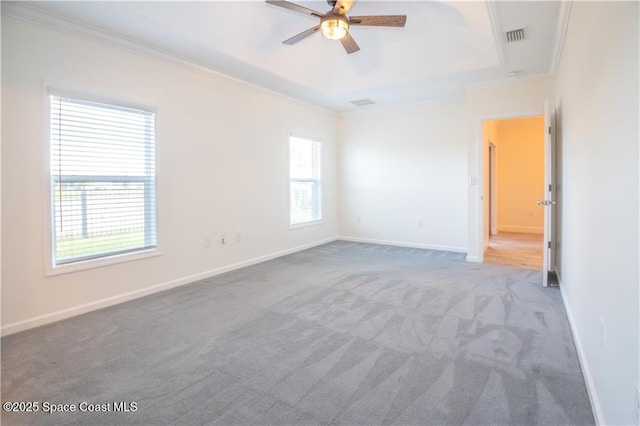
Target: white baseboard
[(125, 297), (521, 229), (403, 244), (475, 259), (586, 371)]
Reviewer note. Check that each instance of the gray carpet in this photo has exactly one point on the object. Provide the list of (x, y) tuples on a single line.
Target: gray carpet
[(343, 333)]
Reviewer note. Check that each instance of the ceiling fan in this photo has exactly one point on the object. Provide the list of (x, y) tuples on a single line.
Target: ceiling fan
[(335, 24)]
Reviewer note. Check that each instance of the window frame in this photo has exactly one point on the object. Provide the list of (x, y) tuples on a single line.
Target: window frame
[(318, 181), (51, 268)]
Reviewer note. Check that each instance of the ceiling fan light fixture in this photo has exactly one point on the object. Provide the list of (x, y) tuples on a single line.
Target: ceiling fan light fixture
[(334, 27)]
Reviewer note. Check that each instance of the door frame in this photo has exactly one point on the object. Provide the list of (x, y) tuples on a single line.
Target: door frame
[(479, 231)]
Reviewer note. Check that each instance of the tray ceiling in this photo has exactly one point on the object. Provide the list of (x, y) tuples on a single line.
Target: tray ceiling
[(444, 47)]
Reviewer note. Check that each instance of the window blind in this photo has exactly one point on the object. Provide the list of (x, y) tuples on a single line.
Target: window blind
[(305, 185), (102, 180)]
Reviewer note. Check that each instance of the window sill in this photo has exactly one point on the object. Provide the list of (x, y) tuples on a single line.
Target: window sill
[(306, 224), (98, 263)]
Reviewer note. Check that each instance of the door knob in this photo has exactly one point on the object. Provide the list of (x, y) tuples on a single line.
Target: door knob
[(546, 203)]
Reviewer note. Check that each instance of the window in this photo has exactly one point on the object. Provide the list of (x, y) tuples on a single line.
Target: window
[(103, 198), (304, 157)]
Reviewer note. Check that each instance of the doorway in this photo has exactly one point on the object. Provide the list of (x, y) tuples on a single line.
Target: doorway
[(514, 159)]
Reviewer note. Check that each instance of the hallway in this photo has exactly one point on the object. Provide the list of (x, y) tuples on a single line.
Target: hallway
[(515, 249)]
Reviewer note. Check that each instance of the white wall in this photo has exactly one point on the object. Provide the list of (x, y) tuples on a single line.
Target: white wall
[(597, 95), (222, 151), (521, 97), (427, 151), (402, 173)]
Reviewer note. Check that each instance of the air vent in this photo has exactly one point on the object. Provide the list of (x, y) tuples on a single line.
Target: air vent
[(515, 35), (363, 102)]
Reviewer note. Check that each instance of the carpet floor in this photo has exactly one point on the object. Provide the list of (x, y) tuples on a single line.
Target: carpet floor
[(343, 333)]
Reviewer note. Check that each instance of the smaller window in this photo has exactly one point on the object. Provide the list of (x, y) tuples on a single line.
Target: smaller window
[(305, 187)]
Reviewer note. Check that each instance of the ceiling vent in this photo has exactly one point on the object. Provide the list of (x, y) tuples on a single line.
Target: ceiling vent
[(515, 35), (363, 102)]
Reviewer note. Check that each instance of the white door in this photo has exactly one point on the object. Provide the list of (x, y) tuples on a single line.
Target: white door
[(549, 201)]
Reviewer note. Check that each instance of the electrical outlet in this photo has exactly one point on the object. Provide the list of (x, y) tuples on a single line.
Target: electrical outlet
[(207, 242), (238, 237), (420, 223)]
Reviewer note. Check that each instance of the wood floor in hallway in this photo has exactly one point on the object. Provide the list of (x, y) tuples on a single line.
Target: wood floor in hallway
[(515, 249)]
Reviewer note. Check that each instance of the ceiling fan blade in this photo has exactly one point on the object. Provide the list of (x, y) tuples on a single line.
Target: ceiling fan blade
[(379, 20), (295, 7), (302, 35), (349, 43), (342, 6)]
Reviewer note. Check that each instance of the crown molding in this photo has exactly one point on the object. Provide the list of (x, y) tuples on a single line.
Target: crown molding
[(510, 81), (31, 13), (497, 31), (561, 33)]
